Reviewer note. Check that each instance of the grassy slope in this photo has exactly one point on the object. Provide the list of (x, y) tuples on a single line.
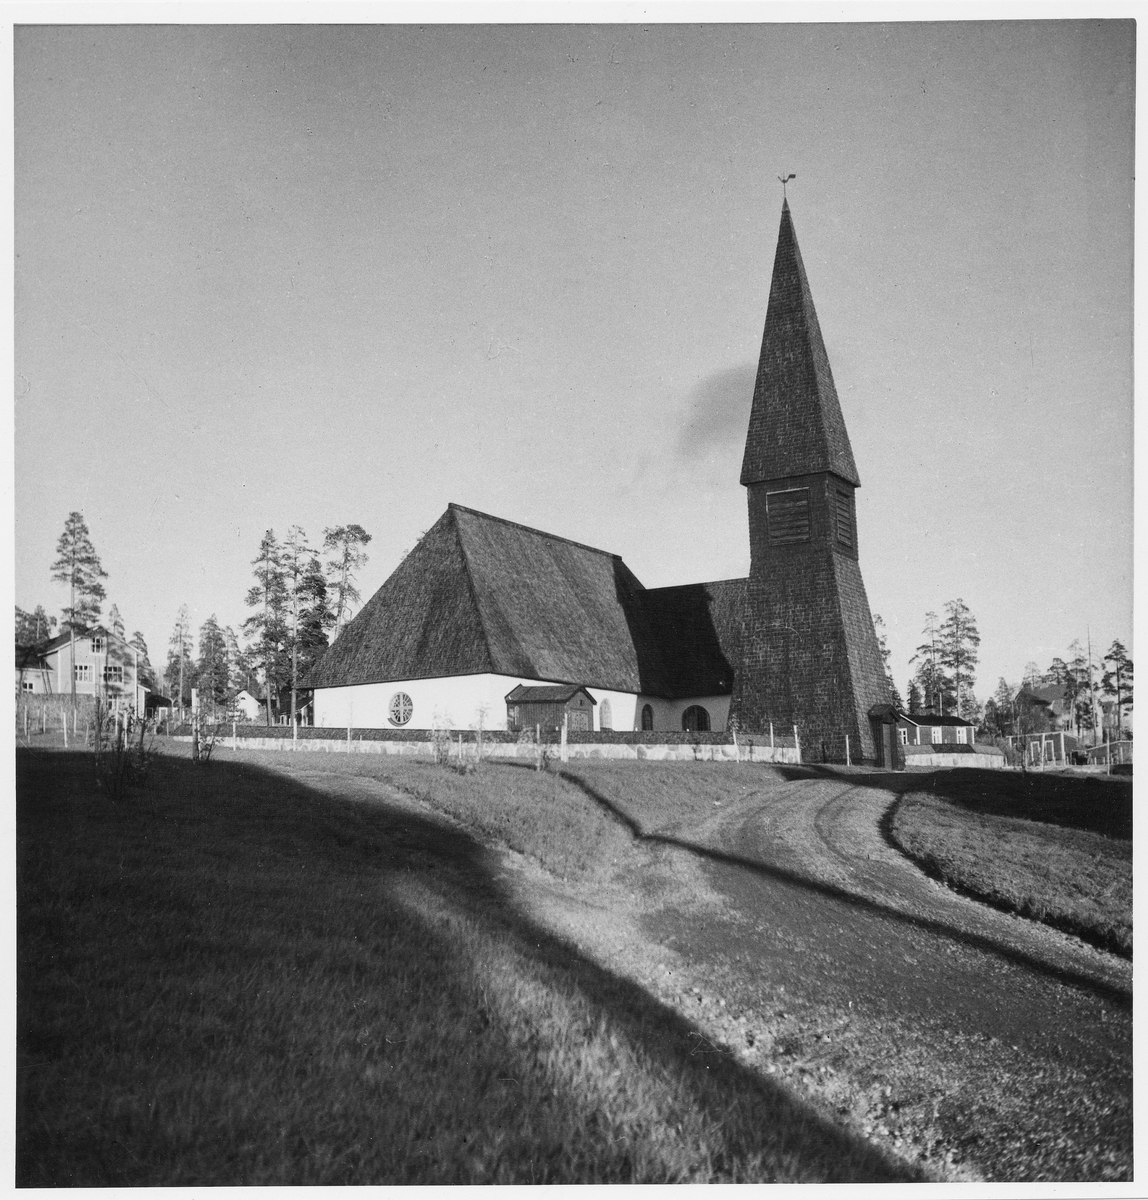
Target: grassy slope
[(235, 978), (1035, 847)]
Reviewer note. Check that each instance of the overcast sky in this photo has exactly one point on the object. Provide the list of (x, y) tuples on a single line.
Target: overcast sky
[(277, 275)]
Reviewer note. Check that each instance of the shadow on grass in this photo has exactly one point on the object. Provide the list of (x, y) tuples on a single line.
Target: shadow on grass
[(1120, 996), (233, 978)]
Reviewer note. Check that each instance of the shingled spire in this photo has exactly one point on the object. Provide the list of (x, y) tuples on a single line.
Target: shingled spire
[(795, 426), (810, 654)]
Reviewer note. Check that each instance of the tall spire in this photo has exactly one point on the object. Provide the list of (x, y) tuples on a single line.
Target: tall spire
[(795, 426)]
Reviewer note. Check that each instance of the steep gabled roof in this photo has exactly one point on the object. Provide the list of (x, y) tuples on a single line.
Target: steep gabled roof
[(795, 425), (479, 594)]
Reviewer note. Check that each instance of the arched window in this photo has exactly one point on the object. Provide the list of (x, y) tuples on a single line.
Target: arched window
[(605, 715), (400, 708), (647, 717), (695, 719)]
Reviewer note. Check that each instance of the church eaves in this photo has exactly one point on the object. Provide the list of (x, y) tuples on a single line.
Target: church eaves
[(795, 425)]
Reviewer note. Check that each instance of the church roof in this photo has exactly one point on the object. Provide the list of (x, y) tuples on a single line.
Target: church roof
[(795, 425), (480, 594)]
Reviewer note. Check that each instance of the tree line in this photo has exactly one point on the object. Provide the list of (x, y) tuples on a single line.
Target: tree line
[(945, 673), (302, 598)]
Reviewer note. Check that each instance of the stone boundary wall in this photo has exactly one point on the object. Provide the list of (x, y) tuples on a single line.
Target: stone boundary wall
[(604, 737), (526, 751)]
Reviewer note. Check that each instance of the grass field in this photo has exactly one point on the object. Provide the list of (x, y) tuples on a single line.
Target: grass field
[(1054, 848), (237, 976)]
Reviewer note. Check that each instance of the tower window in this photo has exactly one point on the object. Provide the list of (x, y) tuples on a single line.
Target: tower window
[(788, 516), (647, 716), (846, 536), (605, 716)]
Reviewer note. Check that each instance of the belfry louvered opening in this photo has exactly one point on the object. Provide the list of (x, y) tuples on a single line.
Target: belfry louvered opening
[(846, 534), (788, 516)]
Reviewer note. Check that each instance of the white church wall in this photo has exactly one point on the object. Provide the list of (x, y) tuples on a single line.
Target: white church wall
[(624, 710), (453, 702)]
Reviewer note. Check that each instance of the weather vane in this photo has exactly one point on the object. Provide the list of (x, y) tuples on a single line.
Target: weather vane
[(784, 179)]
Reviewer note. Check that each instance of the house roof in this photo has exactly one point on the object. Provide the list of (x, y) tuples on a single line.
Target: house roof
[(64, 638), (795, 426), (30, 658), (1051, 695), (555, 694), (929, 720), (480, 594)]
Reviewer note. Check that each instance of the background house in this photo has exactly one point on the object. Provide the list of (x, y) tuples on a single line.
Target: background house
[(102, 663), (33, 674), (1048, 704), (931, 729)]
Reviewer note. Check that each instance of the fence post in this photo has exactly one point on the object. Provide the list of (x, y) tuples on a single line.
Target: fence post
[(848, 760), (563, 753), (797, 743), (234, 737), (771, 739), (64, 722)]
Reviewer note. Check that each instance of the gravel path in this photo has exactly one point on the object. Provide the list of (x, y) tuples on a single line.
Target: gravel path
[(991, 1042)]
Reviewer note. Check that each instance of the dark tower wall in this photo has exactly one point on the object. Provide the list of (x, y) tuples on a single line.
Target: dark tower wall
[(811, 657)]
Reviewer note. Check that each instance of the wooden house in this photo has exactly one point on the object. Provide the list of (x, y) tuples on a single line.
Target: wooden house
[(932, 729), (549, 708), (102, 664)]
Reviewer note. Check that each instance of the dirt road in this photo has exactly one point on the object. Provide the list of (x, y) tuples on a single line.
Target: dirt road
[(990, 1045)]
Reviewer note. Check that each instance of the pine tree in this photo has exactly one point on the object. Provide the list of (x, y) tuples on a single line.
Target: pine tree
[(269, 624), (1117, 681), (116, 622), (178, 673), (959, 641), (78, 566), (344, 543), (1003, 702), (211, 670), (315, 616), (914, 695), (879, 630), (1078, 688), (34, 627), (936, 687), (146, 673)]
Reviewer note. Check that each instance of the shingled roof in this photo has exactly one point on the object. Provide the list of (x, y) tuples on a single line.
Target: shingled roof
[(795, 425), (480, 594)]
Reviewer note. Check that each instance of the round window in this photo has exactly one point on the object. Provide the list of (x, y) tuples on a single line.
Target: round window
[(400, 708)]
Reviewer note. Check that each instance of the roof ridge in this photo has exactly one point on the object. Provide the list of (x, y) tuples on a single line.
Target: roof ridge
[(671, 587), (468, 573), (555, 537)]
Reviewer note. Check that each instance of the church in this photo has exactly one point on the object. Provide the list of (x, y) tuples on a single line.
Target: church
[(484, 614)]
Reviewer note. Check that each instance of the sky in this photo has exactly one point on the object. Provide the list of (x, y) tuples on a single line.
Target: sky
[(313, 274)]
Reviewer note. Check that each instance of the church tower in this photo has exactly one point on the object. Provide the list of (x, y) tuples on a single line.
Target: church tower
[(810, 654)]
